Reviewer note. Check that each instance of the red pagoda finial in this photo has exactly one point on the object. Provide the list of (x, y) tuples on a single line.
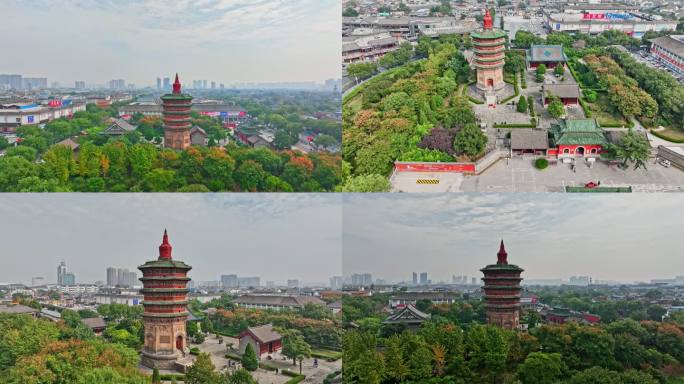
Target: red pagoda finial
[(165, 248), (176, 85), (488, 22), (502, 256)]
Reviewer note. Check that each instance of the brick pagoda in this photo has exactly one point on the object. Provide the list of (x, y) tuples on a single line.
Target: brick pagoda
[(165, 308), (502, 291), (177, 123), (489, 46)]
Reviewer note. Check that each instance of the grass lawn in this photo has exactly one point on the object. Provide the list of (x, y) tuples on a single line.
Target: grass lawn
[(354, 104), (326, 354), (604, 111), (671, 135)]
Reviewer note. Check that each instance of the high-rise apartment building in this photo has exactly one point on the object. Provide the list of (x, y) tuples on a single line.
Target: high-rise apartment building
[(229, 281), (112, 277)]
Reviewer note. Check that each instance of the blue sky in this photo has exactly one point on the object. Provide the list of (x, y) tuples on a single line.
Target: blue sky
[(275, 236), (623, 237), (227, 41)]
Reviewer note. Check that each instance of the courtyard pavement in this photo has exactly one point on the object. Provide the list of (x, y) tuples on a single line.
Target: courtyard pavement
[(520, 175), (218, 351)]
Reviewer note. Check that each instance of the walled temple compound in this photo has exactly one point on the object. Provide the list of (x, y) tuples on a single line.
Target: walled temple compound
[(165, 309), (489, 46), (176, 111), (502, 291)]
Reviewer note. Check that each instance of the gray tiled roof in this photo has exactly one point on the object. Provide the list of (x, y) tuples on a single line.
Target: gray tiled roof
[(673, 45), (529, 139)]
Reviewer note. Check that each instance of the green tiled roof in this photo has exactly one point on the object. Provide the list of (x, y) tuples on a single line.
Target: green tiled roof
[(548, 53), (502, 267), (165, 264), (576, 132), (176, 96), (488, 34)]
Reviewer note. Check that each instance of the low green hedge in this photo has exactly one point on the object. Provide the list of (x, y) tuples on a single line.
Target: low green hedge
[(172, 376), (474, 100), (327, 355), (599, 189), (585, 108), (329, 378), (194, 351), (267, 366), (516, 90), (666, 137), (287, 372), (296, 379), (225, 333), (604, 124), (532, 124), (233, 356), (523, 80)]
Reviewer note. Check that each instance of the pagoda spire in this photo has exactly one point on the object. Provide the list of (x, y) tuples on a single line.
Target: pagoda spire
[(488, 22), (176, 85), (502, 255), (165, 248)]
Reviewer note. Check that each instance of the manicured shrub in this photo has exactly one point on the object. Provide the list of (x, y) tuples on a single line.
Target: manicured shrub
[(541, 163)]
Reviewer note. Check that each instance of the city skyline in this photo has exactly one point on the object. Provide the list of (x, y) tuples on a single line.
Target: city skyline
[(215, 234), (265, 41), (391, 236)]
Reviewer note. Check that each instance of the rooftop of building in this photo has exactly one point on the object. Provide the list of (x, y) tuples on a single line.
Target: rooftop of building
[(562, 90), (287, 301), (407, 314), (430, 295), (576, 132), (673, 43), (529, 139), (546, 53), (17, 309), (263, 333)]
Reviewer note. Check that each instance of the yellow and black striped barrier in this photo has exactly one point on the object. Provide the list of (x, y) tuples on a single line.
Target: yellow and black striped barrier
[(427, 181)]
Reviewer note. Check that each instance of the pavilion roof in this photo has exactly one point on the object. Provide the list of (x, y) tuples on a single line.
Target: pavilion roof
[(574, 132)]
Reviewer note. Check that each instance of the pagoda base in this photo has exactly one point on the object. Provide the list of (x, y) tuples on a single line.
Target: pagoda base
[(494, 88), (504, 319), (160, 361), (487, 95)]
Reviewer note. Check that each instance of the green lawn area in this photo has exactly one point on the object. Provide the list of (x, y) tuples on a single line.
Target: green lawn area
[(670, 134), (604, 111), (354, 104), (326, 354)]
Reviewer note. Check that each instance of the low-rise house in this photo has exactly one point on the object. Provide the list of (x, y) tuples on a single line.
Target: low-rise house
[(529, 141), (549, 55), (408, 316), (577, 138), (118, 127), (96, 324), (264, 340), (70, 143), (50, 315), (410, 298), (198, 136), (568, 94), (276, 302), (18, 309)]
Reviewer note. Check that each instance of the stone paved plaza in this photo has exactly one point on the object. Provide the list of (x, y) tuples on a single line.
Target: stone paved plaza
[(520, 175)]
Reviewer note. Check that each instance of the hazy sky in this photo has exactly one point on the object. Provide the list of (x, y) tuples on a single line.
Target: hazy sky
[(227, 41), (275, 236), (624, 237)]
